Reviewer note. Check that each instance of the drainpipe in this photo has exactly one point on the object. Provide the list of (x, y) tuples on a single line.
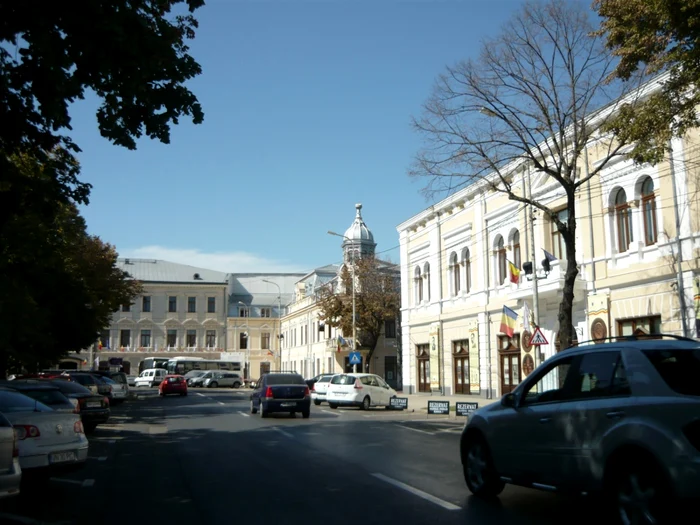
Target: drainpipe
[(679, 257), (441, 368), (590, 218), (489, 391)]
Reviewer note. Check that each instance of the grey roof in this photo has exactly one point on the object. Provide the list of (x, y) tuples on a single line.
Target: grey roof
[(358, 230), (252, 288), (155, 270)]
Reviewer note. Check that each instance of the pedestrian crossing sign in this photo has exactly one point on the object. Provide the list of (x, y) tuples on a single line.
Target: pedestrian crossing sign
[(538, 338)]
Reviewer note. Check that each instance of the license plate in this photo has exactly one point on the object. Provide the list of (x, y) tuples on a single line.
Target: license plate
[(62, 457), (93, 405), (289, 404)]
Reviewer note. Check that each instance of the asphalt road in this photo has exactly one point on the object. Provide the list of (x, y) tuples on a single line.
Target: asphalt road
[(204, 459)]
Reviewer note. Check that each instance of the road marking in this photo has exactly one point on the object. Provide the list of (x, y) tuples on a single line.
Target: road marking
[(417, 492), (416, 430), (331, 412), (100, 458), (157, 429), (283, 432), (88, 483), (313, 433), (200, 394), (221, 403), (244, 414)]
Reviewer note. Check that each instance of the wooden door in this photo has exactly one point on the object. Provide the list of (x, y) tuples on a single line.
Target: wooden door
[(461, 371), (510, 371), (423, 374)]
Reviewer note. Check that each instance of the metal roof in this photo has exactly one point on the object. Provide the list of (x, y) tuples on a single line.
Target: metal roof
[(155, 270)]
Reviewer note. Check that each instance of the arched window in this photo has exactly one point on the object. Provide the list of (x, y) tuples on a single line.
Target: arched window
[(649, 212), (516, 250), (466, 262), (418, 286), (454, 273), (623, 218), (426, 278), (501, 260)]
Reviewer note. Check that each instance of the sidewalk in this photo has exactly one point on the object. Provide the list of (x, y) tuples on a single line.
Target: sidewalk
[(419, 402)]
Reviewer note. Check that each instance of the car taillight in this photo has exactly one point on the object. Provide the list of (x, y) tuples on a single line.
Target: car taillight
[(15, 447), (268, 392), (78, 427), (106, 401), (27, 431), (76, 405), (306, 391), (358, 385)]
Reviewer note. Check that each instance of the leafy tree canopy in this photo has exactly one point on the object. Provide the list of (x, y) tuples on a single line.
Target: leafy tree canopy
[(58, 285), (659, 36), (377, 300)]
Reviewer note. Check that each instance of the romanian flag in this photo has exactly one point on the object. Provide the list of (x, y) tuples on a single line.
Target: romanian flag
[(270, 352), (514, 273), (508, 319), (99, 344)]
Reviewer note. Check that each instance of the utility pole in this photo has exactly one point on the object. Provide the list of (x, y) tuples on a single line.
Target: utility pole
[(535, 290)]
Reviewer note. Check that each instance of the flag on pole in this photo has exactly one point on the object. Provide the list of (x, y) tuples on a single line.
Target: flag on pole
[(99, 344), (508, 319), (526, 317), (270, 352), (514, 273), (97, 362), (549, 256)]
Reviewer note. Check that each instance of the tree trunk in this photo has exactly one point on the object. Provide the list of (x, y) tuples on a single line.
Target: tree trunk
[(566, 328)]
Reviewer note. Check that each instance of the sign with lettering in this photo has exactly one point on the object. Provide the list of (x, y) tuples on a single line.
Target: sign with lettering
[(399, 403), (466, 409), (434, 340), (439, 407), (474, 377)]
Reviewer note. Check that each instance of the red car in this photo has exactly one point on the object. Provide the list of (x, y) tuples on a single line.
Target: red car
[(173, 384)]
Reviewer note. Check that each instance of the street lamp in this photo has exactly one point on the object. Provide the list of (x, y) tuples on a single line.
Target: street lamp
[(354, 328), (279, 320), (247, 343)]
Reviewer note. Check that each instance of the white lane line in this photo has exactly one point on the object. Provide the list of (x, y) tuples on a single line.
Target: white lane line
[(416, 430), (88, 483), (331, 412), (417, 492), (100, 458), (200, 394), (244, 414), (287, 434), (61, 480), (220, 402)]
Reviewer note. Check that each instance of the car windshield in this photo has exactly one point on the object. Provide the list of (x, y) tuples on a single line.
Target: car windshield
[(343, 380), (16, 402), (285, 379), (679, 368)]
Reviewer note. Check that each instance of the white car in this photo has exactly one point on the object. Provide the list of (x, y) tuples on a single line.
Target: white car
[(10, 470), (361, 390), (119, 391), (46, 438), (151, 377), (320, 388)]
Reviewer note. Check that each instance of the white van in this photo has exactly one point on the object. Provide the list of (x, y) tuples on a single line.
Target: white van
[(151, 377)]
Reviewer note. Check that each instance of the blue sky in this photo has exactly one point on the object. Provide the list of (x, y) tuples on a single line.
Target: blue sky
[(307, 112)]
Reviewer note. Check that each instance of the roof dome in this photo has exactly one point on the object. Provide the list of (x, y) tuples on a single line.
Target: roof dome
[(358, 230)]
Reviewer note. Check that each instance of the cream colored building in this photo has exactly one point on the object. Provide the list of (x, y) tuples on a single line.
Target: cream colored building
[(182, 311), (311, 347), (455, 276)]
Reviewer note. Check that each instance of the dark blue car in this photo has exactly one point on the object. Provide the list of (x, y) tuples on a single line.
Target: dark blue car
[(281, 392)]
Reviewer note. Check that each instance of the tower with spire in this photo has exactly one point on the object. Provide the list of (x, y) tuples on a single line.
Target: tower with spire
[(359, 241)]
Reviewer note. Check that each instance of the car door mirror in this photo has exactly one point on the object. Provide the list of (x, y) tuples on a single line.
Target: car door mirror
[(508, 400)]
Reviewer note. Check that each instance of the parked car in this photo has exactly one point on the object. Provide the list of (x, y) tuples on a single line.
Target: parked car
[(281, 392), (45, 392), (119, 383), (198, 379), (47, 440), (94, 408), (221, 378), (173, 384), (10, 469), (151, 377), (618, 418), (319, 388), (131, 380), (89, 381), (192, 375), (360, 390)]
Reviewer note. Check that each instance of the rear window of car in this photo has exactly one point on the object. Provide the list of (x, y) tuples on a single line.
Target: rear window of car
[(48, 397), (83, 380), (324, 379), (680, 369), (15, 402), (343, 380), (285, 379), (175, 380), (119, 378), (69, 387), (108, 381)]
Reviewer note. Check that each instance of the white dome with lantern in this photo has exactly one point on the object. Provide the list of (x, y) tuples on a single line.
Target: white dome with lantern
[(359, 241)]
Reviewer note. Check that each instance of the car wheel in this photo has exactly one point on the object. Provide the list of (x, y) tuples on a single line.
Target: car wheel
[(213, 384), (638, 492), (161, 394), (479, 471), (365, 403), (236, 385), (293, 414), (317, 402), (263, 412), (253, 410), (333, 405), (305, 414)]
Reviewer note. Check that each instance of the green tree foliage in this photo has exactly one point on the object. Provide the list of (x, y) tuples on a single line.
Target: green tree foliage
[(655, 36), (58, 285), (377, 300)]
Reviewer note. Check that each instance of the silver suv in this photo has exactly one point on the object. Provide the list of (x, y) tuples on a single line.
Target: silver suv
[(621, 419), (216, 379)]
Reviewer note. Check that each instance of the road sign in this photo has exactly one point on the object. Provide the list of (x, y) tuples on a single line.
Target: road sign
[(399, 403), (439, 407), (466, 409), (355, 358), (538, 338)]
